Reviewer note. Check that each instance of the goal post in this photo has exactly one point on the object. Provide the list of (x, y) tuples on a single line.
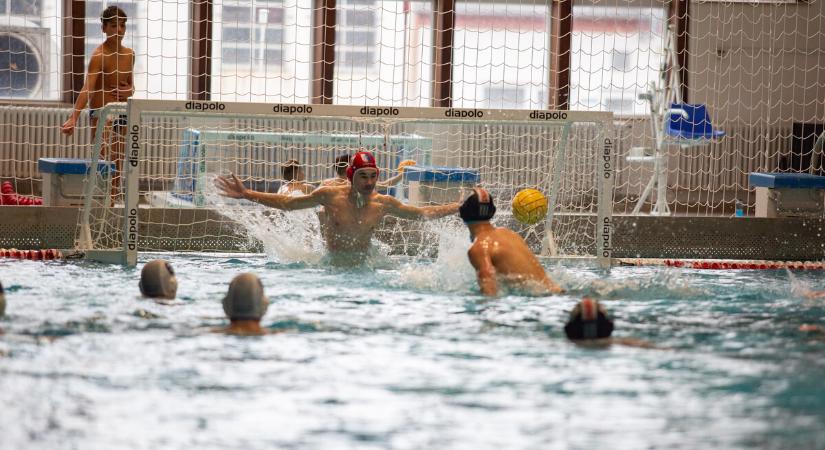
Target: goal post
[(174, 149)]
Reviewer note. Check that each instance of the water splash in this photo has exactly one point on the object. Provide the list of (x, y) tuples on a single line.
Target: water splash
[(286, 236), (451, 271)]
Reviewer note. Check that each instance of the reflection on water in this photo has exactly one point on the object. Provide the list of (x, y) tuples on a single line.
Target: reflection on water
[(406, 356)]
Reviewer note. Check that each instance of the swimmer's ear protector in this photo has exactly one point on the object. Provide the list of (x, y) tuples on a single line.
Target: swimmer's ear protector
[(588, 320), (478, 206)]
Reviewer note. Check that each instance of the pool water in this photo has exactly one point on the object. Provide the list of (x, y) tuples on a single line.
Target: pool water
[(407, 355)]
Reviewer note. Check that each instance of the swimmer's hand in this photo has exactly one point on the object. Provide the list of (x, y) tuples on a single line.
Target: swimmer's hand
[(230, 186), (68, 126), (405, 163)]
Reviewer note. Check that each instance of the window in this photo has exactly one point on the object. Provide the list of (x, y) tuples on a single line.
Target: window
[(159, 36), (25, 7), (255, 56), (383, 52), (498, 46), (30, 49), (621, 60), (356, 58), (616, 52), (356, 35), (751, 1), (506, 97)]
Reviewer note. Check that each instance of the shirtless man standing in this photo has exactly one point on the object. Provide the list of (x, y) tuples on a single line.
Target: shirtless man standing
[(499, 254), (108, 80), (353, 210)]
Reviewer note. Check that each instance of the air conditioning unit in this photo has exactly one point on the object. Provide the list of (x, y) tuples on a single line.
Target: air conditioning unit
[(24, 59)]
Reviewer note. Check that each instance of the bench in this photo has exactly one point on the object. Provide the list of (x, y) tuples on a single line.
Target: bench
[(788, 194), (63, 179)]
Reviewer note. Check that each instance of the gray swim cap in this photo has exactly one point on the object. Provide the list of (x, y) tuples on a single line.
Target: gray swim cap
[(157, 280), (246, 299), (2, 301)]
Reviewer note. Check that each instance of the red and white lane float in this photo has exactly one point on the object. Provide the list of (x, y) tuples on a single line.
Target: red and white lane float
[(722, 264), (37, 255)]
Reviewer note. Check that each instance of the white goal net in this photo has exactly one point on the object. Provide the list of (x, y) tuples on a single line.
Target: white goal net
[(166, 201)]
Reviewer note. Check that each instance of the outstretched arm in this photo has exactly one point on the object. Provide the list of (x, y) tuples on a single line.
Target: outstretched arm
[(485, 271), (392, 181), (398, 209), (232, 187), (95, 69)]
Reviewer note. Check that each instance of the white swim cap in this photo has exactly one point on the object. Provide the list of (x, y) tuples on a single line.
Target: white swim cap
[(157, 280), (246, 299)]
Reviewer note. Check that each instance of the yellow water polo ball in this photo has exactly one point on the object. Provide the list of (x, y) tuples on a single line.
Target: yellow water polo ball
[(529, 206)]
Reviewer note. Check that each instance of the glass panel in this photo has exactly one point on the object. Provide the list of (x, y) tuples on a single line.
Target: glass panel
[(26, 7), (616, 53), (498, 45), (159, 36), (30, 49), (383, 53), (262, 51)]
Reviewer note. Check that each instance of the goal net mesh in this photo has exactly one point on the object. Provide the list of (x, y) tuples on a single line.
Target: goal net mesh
[(177, 153)]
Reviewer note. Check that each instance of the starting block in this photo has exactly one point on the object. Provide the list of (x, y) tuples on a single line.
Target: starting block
[(788, 194), (432, 185), (63, 180)]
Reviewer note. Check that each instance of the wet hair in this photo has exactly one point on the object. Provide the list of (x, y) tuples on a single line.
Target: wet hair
[(245, 299), (479, 206), (340, 165), (588, 320), (157, 280), (290, 169), (112, 13)]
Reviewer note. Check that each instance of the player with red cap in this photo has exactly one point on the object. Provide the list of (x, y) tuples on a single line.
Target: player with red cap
[(341, 166), (353, 211)]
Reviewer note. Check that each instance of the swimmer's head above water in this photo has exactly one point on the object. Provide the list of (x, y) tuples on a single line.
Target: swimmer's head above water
[(359, 161), (477, 210), (588, 320), (363, 176), (157, 280), (478, 207), (246, 299)]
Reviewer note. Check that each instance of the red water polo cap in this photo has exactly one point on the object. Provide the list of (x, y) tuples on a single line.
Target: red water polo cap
[(361, 160)]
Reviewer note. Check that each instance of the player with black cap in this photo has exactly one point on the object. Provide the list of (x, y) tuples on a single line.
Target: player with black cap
[(591, 325), (499, 254), (588, 320)]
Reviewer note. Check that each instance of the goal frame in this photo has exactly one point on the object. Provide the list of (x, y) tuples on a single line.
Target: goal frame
[(135, 145)]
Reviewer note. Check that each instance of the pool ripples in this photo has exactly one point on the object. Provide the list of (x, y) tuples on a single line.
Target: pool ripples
[(407, 357)]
